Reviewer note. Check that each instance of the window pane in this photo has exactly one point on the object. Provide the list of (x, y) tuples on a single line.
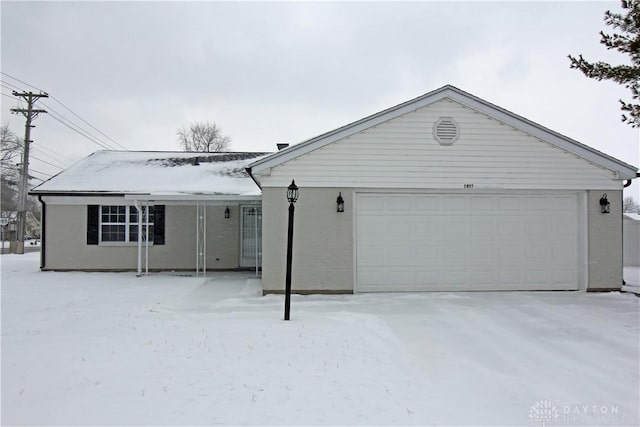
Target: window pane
[(113, 233), (133, 233)]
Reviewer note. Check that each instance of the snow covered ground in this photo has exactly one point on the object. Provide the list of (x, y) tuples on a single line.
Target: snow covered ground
[(113, 349), (27, 243), (632, 279)]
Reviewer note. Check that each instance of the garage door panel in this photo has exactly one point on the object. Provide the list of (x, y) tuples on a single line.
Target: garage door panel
[(453, 204), (466, 242), (427, 204), (483, 228)]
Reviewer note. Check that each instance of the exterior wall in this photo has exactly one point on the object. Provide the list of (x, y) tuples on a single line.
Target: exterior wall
[(605, 241), (67, 249), (402, 153), (631, 240), (322, 242)]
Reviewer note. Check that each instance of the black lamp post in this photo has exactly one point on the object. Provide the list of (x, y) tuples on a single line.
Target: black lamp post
[(292, 196)]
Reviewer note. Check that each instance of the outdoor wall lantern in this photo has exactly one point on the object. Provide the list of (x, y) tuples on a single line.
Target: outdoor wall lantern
[(340, 202), (292, 197), (227, 212), (605, 206)]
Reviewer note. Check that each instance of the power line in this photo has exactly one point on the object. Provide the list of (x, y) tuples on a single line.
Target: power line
[(74, 113), (42, 173), (48, 152), (13, 87), (4, 86), (35, 177), (44, 161), (85, 132), (90, 125), (18, 80), (80, 132), (50, 159)]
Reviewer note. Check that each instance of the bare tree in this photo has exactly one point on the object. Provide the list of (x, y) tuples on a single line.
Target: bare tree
[(10, 152), (629, 205), (203, 137)]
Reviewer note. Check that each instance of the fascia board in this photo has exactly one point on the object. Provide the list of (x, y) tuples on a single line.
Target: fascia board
[(193, 197)]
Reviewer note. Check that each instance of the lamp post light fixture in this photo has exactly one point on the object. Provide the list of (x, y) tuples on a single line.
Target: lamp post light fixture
[(605, 206), (292, 197), (340, 202), (227, 212)]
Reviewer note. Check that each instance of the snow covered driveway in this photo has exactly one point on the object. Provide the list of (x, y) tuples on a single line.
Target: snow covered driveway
[(113, 349)]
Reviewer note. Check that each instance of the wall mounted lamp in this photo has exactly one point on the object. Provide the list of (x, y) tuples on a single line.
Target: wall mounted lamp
[(605, 206), (227, 212), (340, 202)]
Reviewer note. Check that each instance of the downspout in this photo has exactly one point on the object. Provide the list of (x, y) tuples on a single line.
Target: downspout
[(626, 184), (256, 225), (43, 232), (253, 177)]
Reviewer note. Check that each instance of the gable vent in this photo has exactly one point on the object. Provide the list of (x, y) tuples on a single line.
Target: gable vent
[(446, 131)]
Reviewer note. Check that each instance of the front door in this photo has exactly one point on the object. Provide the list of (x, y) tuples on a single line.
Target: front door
[(250, 236)]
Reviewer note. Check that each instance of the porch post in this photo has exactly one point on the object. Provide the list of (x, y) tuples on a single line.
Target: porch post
[(146, 250), (137, 206)]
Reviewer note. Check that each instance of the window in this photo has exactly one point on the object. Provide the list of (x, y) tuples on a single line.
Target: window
[(120, 224)]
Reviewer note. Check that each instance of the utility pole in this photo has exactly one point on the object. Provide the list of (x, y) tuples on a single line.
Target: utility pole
[(29, 113)]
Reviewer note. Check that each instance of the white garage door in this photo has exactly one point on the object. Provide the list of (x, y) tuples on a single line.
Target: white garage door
[(409, 242)]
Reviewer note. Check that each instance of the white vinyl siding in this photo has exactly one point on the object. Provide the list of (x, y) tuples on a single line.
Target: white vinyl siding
[(402, 153), (409, 242)]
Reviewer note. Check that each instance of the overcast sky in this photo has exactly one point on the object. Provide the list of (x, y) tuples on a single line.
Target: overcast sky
[(285, 72)]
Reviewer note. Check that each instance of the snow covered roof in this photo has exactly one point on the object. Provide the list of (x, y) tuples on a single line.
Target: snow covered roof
[(156, 172), (631, 215)]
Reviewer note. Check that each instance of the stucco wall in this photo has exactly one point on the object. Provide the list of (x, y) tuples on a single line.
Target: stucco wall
[(322, 243), (605, 241), (66, 244), (631, 236)]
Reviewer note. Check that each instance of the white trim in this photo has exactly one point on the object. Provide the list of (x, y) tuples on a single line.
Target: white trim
[(127, 224), (129, 200), (623, 170), (583, 241), (257, 262), (354, 234), (193, 197)]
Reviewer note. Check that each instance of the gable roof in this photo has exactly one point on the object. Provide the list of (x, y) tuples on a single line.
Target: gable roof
[(622, 169), (155, 172)]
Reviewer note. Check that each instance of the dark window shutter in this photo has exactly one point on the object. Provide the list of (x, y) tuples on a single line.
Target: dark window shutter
[(93, 220), (158, 225)]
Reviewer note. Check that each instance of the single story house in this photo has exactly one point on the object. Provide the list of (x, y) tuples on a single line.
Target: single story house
[(443, 192), (124, 210)]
